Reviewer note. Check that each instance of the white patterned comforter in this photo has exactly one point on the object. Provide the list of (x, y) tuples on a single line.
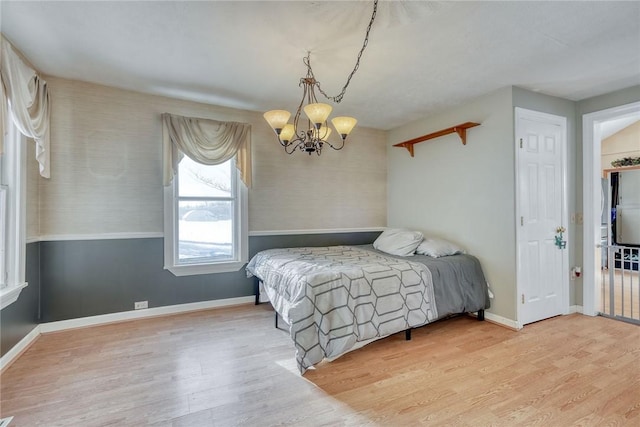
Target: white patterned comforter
[(334, 298)]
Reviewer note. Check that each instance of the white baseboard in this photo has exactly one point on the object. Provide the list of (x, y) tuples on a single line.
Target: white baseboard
[(141, 314), (575, 309), (11, 355), (511, 324)]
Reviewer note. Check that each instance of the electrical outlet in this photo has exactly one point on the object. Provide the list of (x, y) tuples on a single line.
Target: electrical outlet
[(140, 305)]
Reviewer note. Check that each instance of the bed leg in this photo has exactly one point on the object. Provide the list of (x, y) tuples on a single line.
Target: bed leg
[(480, 315), (256, 289), (407, 334), (276, 320)]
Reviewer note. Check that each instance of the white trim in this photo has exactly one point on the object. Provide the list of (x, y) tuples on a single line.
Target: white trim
[(590, 203), (575, 309), (98, 236), (562, 122), (494, 318), (142, 314), (318, 231), (160, 234), (10, 294), (14, 177), (208, 268), (240, 256), (15, 352)]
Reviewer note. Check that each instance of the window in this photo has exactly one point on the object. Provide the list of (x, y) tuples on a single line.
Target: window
[(12, 217), (205, 219)]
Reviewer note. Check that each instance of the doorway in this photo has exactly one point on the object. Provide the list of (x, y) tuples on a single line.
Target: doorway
[(594, 128)]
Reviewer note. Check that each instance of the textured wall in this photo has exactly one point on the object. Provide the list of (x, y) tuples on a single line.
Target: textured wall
[(106, 168)]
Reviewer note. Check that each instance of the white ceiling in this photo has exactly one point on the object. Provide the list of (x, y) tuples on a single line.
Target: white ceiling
[(422, 56)]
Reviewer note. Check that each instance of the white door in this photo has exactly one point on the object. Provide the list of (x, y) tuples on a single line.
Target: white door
[(541, 209)]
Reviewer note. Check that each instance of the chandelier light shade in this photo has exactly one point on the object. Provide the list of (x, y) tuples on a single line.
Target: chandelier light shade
[(344, 125), (311, 136)]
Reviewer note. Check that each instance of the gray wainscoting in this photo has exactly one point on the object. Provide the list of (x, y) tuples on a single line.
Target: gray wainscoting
[(91, 277), (18, 319)]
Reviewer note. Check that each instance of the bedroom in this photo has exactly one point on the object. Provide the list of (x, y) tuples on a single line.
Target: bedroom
[(75, 236)]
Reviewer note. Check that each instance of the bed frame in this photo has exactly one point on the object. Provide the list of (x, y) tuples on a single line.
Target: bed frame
[(407, 332)]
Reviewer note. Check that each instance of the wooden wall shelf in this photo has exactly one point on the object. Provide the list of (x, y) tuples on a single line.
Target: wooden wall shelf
[(606, 172), (460, 129)]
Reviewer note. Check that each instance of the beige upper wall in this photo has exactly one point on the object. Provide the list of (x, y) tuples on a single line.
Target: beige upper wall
[(625, 143), (463, 193), (106, 172), (32, 205)]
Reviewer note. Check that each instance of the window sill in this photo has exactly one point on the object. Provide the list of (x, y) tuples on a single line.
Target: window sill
[(10, 294), (193, 269)]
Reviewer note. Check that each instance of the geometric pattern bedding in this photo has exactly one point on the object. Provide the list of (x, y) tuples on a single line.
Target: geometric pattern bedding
[(335, 298)]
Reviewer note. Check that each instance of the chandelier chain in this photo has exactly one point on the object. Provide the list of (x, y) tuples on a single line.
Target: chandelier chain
[(339, 97)]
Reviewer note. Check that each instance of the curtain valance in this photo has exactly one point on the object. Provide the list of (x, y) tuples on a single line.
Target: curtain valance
[(205, 141), (26, 95)]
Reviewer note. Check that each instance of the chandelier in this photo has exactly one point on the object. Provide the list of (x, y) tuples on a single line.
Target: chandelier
[(315, 135)]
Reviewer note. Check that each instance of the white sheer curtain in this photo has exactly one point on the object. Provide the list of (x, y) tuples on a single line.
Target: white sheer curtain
[(26, 95), (205, 141)]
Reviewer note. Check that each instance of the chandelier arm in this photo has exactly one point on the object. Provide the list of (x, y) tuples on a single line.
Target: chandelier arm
[(339, 97), (334, 147), (293, 145)]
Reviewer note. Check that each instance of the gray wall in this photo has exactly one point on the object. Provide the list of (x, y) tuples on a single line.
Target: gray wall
[(463, 193), (90, 277), (562, 107), (18, 319)]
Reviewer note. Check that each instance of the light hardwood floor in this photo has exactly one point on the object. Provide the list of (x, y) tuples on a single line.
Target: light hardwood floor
[(230, 367)]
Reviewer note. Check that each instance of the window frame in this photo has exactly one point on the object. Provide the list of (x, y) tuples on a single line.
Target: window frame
[(240, 231), (13, 177)]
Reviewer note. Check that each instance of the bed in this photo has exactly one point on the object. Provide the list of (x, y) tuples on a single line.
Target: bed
[(338, 298)]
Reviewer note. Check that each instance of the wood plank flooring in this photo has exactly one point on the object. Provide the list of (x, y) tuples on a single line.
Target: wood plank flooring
[(228, 367)]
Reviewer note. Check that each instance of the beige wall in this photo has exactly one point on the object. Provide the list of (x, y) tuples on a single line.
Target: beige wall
[(106, 168), (32, 205), (463, 193), (625, 143)]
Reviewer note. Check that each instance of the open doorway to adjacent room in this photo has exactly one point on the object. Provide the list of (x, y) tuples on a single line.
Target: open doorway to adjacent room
[(612, 213)]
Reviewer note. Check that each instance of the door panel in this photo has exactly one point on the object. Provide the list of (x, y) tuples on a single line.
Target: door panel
[(540, 206)]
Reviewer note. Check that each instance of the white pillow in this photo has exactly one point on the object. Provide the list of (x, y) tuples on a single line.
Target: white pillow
[(399, 242), (437, 248)]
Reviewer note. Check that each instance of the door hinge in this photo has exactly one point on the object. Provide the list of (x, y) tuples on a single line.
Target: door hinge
[(521, 220), (523, 298), (520, 142)]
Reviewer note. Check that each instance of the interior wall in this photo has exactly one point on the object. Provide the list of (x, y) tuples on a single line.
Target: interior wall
[(562, 107), (106, 172), (464, 193), (101, 213), (624, 143)]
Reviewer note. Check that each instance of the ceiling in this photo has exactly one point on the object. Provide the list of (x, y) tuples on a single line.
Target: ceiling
[(422, 56)]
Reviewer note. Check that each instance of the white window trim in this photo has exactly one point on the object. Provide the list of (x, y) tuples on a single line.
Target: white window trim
[(15, 177), (170, 232)]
